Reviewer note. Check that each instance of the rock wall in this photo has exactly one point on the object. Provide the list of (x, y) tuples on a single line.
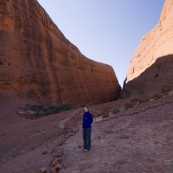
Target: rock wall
[(37, 62), (149, 68)]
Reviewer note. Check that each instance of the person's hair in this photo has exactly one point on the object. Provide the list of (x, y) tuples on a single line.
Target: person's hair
[(85, 106)]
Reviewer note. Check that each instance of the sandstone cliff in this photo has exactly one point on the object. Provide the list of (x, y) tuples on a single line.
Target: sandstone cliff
[(38, 63), (152, 63)]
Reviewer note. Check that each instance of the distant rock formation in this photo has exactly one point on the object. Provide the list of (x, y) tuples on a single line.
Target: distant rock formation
[(37, 62), (151, 66)]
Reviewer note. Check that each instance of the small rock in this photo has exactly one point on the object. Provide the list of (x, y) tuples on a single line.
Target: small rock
[(64, 165), (79, 146), (58, 166), (71, 134), (83, 158), (55, 154), (124, 137), (59, 160), (43, 170), (60, 143), (52, 150), (44, 152), (67, 136), (56, 161), (58, 153), (76, 130), (53, 170)]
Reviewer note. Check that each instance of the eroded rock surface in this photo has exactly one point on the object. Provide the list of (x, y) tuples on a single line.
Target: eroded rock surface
[(37, 62), (151, 65)]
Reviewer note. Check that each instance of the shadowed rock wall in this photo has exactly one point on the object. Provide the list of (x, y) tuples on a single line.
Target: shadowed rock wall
[(158, 43), (37, 62), (152, 79)]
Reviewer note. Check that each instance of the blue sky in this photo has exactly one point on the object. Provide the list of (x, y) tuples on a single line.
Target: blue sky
[(106, 31)]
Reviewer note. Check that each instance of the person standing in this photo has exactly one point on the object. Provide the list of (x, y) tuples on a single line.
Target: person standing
[(86, 125)]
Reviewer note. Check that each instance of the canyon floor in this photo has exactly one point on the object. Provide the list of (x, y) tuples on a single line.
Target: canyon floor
[(137, 140)]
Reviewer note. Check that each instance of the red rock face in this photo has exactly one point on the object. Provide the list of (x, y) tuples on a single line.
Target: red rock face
[(37, 62), (151, 65)]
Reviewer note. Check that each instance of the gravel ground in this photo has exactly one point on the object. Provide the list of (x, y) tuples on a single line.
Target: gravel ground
[(132, 143), (137, 140)]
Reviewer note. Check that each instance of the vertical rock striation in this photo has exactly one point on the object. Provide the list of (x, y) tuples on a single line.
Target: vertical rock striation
[(37, 62)]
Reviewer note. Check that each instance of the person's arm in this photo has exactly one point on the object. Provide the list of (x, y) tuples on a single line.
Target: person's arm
[(91, 119)]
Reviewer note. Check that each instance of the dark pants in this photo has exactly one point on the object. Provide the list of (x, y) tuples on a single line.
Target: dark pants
[(87, 138)]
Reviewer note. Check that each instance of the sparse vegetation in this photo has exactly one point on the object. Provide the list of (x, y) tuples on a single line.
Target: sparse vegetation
[(38, 111), (56, 109)]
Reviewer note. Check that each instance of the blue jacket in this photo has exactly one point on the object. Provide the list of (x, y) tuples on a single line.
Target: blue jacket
[(87, 120)]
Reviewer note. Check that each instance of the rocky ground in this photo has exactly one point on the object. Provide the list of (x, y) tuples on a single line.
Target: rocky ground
[(28, 145), (137, 140), (132, 143)]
